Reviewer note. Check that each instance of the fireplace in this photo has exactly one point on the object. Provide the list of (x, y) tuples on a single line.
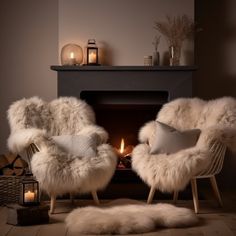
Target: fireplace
[(122, 113), (124, 98)]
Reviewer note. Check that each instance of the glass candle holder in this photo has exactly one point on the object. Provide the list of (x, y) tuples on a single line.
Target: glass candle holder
[(71, 55)]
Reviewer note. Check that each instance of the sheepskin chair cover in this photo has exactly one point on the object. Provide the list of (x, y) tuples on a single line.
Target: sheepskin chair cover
[(35, 121), (217, 121)]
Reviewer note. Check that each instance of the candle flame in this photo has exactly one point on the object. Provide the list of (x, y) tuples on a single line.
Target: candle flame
[(122, 146), (72, 55)]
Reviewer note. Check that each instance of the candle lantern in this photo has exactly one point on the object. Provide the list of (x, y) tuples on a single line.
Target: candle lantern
[(92, 53), (29, 194), (71, 55)]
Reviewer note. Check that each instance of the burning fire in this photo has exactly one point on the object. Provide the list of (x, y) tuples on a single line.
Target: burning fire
[(122, 146), (124, 150), (124, 155)]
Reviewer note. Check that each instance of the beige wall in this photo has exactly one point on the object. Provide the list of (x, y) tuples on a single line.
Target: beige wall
[(28, 46), (124, 28)]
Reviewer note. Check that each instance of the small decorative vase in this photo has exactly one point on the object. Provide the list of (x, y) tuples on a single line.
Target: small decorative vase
[(156, 58), (175, 54)]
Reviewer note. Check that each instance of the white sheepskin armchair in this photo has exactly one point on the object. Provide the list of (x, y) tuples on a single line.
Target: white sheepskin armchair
[(34, 121), (171, 173)]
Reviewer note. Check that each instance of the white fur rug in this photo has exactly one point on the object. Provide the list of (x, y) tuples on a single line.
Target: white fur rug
[(130, 218)]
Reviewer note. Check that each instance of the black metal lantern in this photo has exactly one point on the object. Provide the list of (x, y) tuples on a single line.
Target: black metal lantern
[(92, 53), (29, 195)]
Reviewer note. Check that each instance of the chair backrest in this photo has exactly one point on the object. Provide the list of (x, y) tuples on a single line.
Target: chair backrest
[(189, 113), (65, 115)]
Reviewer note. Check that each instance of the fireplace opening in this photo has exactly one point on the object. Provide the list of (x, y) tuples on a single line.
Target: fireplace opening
[(123, 113)]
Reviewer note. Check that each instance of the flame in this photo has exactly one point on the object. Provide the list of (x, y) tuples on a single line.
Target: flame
[(122, 146), (72, 56)]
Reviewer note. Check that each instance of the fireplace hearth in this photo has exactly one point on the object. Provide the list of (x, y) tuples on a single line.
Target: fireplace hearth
[(124, 98)]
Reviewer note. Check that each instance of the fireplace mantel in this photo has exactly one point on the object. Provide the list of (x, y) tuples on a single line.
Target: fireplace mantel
[(176, 80), (124, 98)]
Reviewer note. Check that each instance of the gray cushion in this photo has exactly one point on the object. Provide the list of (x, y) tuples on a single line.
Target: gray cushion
[(169, 140), (78, 145)]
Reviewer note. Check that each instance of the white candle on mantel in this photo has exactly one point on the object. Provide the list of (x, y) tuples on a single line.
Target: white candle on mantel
[(29, 196), (72, 55), (92, 57), (72, 59)]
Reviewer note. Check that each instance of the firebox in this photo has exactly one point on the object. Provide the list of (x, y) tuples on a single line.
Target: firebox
[(122, 113), (124, 98)]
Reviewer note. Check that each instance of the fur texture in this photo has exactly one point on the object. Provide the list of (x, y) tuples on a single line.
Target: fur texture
[(217, 121), (128, 219), (35, 121)]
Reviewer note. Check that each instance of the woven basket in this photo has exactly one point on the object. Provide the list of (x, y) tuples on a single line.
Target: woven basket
[(10, 189)]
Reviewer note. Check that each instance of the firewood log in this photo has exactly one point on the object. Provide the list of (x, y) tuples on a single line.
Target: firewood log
[(7, 171), (11, 164), (19, 166), (11, 158)]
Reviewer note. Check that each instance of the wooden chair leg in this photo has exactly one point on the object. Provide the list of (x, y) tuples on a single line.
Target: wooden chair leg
[(52, 204), (151, 194), (95, 197), (175, 197), (195, 195), (216, 190)]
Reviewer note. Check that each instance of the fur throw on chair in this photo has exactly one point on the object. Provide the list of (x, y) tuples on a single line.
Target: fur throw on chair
[(217, 121), (36, 121)]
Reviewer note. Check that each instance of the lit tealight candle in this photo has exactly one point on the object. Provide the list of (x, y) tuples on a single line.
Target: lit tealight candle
[(92, 57), (72, 59), (29, 196), (72, 55)]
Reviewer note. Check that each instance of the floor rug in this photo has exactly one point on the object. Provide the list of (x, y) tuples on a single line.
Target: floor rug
[(128, 218)]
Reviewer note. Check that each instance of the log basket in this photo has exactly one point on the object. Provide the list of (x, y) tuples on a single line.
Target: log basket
[(9, 189), (10, 185)]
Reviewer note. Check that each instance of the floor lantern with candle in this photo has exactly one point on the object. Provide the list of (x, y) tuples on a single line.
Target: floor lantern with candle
[(71, 55), (92, 53), (29, 211), (29, 195)]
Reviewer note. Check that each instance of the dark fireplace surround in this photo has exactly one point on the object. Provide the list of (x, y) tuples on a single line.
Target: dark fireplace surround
[(125, 97)]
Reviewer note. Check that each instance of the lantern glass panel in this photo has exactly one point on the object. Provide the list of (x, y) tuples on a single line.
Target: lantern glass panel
[(92, 52)]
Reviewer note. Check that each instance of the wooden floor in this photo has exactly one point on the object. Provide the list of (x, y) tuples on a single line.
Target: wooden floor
[(214, 221)]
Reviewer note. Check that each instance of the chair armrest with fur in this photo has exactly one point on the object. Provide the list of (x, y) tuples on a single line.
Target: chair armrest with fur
[(21, 139), (147, 132), (76, 173)]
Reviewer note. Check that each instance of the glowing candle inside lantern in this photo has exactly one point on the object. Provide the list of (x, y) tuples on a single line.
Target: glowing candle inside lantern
[(72, 56), (72, 60), (122, 146), (92, 57), (29, 196)]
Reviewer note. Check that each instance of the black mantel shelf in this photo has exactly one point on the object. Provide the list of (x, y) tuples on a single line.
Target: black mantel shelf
[(124, 68), (75, 80)]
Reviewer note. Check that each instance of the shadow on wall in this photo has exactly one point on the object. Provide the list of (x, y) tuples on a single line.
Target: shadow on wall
[(216, 75), (106, 54)]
